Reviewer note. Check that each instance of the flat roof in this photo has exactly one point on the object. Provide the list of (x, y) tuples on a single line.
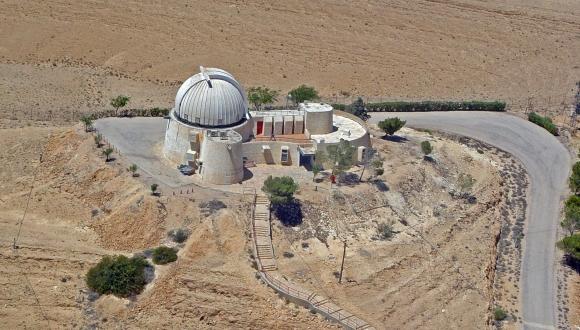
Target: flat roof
[(345, 128)]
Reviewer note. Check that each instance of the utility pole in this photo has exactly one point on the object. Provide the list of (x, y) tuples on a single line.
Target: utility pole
[(342, 264)]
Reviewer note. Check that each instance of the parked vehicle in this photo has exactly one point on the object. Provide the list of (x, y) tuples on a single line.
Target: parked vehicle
[(185, 169)]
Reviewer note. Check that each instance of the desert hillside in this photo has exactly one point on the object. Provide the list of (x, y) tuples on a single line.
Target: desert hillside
[(91, 50)]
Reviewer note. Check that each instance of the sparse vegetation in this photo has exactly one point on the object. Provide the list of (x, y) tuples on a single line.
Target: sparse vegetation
[(385, 231), (88, 122), (544, 122), (426, 148), (119, 102), (118, 275), (316, 168), (574, 181), (259, 96), (280, 190), (107, 153), (163, 255), (391, 125), (133, 169), (303, 93), (99, 140), (499, 314), (154, 189), (428, 106), (465, 182), (178, 235)]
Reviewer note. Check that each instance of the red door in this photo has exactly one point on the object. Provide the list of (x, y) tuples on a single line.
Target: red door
[(260, 128)]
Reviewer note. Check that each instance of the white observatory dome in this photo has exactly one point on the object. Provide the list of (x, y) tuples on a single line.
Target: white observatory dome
[(211, 98)]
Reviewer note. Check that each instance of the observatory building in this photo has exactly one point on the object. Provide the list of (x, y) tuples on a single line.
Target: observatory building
[(211, 130)]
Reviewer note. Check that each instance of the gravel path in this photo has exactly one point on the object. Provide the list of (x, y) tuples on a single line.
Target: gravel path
[(548, 164)]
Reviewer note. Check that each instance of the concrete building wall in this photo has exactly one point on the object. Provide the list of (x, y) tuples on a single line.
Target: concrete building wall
[(222, 161), (318, 120), (288, 125), (267, 130), (278, 125), (178, 137), (363, 141), (298, 124), (255, 152)]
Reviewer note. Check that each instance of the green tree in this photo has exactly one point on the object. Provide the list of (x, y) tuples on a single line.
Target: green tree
[(571, 221), (154, 189), (280, 190), (359, 109), (259, 96), (118, 275), (575, 178), (88, 122), (340, 156), (107, 152), (119, 102), (391, 125), (571, 246), (133, 169), (303, 93), (499, 314), (316, 168), (426, 148), (164, 255), (99, 140)]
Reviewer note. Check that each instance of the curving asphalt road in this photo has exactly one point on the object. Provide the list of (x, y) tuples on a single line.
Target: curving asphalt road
[(548, 164)]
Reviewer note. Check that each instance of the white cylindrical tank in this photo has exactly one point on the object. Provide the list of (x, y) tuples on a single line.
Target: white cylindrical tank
[(317, 118), (221, 159)]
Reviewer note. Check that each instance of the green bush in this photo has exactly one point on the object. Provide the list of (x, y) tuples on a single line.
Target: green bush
[(118, 275), (571, 246), (280, 189), (424, 106), (178, 235), (499, 314), (303, 93), (426, 148), (575, 178), (385, 231), (391, 125), (164, 255), (544, 122)]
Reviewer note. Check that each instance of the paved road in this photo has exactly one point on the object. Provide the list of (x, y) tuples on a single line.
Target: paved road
[(548, 163)]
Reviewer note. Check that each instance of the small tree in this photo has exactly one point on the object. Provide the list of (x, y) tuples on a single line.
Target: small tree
[(359, 109), (99, 140), (118, 275), (465, 183), (368, 157), (280, 190), (571, 246), (178, 235), (164, 255), (426, 148), (391, 125), (154, 189), (316, 168), (340, 156), (575, 179), (107, 152), (259, 96), (119, 102), (303, 93), (133, 169), (88, 122), (571, 221)]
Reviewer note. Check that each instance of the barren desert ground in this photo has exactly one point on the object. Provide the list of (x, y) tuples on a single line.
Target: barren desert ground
[(59, 59)]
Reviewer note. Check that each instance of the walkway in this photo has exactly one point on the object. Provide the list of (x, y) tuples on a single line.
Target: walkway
[(268, 271)]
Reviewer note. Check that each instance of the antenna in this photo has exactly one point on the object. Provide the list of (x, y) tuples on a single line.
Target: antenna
[(205, 76)]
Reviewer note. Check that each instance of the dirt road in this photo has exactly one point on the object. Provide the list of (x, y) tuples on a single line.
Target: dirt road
[(548, 163)]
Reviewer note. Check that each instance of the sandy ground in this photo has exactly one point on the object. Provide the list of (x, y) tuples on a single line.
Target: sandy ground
[(452, 49), (59, 59), (437, 272)]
